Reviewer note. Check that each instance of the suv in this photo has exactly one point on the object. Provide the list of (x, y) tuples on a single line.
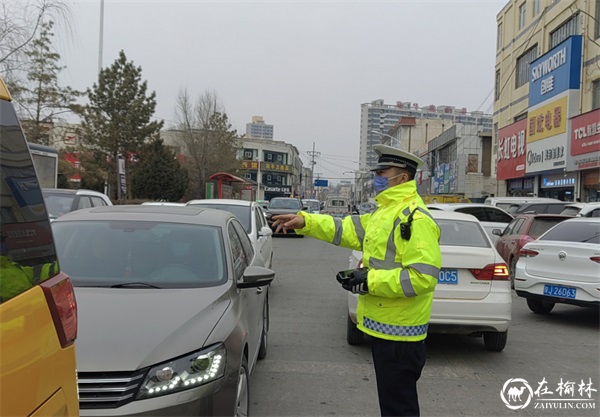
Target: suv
[(538, 208), (38, 373), (582, 209), (60, 201)]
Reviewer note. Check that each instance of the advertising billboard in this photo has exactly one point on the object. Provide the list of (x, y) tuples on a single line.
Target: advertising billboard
[(584, 142), (511, 150), (556, 71)]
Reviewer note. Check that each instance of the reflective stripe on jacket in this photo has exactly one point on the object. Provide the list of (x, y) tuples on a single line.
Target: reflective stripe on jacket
[(402, 273)]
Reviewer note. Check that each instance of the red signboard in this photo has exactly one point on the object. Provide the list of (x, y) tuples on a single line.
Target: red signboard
[(511, 151), (585, 133)]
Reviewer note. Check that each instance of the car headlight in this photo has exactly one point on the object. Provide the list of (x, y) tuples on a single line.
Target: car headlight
[(187, 372)]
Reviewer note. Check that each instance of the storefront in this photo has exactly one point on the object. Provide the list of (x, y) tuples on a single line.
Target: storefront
[(559, 185), (511, 159), (521, 187), (584, 154)]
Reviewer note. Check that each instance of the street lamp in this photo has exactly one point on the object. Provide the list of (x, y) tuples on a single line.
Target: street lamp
[(388, 136)]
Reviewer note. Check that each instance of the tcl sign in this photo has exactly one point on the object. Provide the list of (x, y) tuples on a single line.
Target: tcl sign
[(511, 156)]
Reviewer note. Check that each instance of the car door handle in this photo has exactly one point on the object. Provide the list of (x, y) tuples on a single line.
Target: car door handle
[(259, 290)]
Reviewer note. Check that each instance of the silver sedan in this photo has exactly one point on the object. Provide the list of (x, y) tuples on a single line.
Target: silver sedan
[(173, 309)]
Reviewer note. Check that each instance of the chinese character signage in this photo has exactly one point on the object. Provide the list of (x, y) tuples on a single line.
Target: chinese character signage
[(266, 166), (511, 151), (548, 120), (250, 165), (585, 141), (556, 71)]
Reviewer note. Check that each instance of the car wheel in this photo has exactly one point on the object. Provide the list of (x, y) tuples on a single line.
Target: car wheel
[(264, 338), (512, 268), (540, 307), (495, 341), (353, 335), (243, 391)]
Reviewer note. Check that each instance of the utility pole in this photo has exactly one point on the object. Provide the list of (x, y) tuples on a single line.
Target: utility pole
[(312, 167)]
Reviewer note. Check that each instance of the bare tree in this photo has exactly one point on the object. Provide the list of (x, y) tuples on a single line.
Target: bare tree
[(207, 138), (20, 22)]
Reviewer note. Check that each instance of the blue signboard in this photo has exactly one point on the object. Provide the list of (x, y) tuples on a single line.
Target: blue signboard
[(556, 71), (321, 183)]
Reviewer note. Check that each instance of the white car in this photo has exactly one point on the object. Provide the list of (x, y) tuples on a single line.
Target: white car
[(252, 217), (582, 209), (561, 266), (490, 217), (473, 294)]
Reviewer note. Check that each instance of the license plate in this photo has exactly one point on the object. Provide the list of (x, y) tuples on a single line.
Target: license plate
[(448, 276), (558, 291)]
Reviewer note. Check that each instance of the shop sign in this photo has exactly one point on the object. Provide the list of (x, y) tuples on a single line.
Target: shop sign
[(558, 180), (511, 150), (546, 154), (548, 120), (556, 71), (269, 166), (250, 165), (278, 189), (585, 133)]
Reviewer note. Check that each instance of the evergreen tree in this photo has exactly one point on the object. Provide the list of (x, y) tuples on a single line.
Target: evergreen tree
[(41, 100), (116, 121), (158, 174)]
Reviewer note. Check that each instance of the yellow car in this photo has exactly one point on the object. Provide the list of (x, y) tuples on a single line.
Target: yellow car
[(38, 311)]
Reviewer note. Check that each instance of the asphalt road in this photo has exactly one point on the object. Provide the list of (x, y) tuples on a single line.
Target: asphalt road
[(310, 370)]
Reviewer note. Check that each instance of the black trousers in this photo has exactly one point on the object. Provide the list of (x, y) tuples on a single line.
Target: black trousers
[(398, 366)]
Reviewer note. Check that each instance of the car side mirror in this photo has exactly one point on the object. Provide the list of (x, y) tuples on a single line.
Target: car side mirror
[(256, 276), (305, 208), (497, 232), (265, 231)]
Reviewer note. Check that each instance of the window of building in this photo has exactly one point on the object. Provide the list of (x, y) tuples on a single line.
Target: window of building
[(597, 32), (596, 94), (520, 117), (279, 158), (536, 7), (568, 28), (497, 85), (269, 157), (247, 154), (472, 162), (499, 40), (522, 15), (269, 177), (522, 76)]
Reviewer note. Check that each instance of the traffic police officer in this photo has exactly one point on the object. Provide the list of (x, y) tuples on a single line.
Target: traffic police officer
[(402, 259)]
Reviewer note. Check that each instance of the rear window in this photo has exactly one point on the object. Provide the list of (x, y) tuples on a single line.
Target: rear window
[(570, 211), (574, 232), (165, 255), (337, 203), (27, 253), (58, 204), (542, 225), (241, 212), (462, 233), (312, 205)]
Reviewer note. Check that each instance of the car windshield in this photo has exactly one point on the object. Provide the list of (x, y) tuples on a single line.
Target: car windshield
[(313, 205), (285, 203), (574, 232), (462, 233), (164, 255), (241, 212), (58, 204), (541, 225)]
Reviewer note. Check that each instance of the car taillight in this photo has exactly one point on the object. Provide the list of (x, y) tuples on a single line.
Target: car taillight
[(527, 253), (495, 272), (360, 263), (63, 307), (525, 239), (595, 259)]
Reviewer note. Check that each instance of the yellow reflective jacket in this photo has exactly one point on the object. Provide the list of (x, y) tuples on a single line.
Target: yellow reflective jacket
[(402, 273)]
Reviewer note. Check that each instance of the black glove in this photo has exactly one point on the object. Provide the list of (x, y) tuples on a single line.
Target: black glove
[(357, 283)]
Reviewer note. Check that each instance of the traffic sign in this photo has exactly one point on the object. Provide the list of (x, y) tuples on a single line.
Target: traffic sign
[(321, 183)]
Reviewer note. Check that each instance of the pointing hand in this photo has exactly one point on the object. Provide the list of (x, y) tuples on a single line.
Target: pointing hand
[(288, 221)]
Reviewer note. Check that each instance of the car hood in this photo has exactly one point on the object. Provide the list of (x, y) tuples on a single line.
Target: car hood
[(129, 329)]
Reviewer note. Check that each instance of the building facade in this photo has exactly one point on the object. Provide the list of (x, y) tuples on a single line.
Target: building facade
[(459, 161), (547, 99), (275, 166), (259, 129)]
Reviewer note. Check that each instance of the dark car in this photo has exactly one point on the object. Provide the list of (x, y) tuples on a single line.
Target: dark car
[(524, 228), (538, 208), (60, 201), (283, 205)]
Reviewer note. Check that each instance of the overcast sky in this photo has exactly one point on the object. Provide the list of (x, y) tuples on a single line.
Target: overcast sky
[(305, 66)]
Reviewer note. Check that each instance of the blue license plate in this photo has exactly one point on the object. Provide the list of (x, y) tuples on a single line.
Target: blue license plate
[(448, 276), (558, 291)]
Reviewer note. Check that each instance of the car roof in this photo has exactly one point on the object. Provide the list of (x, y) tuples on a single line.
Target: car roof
[(230, 201), (541, 215), (170, 214), (71, 191), (452, 215), (583, 219), (450, 206)]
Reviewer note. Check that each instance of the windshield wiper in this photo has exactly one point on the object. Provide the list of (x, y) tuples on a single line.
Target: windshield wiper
[(135, 285)]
